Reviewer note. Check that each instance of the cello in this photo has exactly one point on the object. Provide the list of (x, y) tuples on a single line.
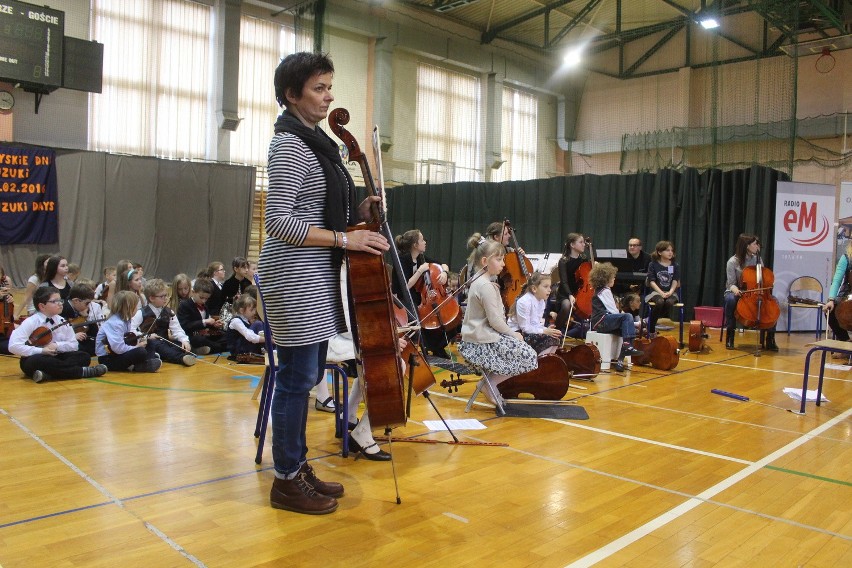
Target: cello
[(585, 290), (438, 309), (376, 330), (516, 271), (757, 308), (548, 382)]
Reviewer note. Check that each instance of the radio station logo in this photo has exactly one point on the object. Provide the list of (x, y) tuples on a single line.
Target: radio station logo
[(802, 219)]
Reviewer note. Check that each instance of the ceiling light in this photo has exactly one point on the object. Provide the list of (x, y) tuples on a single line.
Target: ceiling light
[(709, 23), (572, 58)]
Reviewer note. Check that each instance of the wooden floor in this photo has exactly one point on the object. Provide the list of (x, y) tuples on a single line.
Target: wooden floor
[(157, 470)]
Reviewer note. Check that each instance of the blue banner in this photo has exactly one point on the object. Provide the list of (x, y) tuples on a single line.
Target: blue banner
[(29, 206)]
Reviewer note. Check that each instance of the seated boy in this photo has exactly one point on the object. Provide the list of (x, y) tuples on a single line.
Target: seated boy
[(205, 331), (159, 321), (59, 358), (81, 306)]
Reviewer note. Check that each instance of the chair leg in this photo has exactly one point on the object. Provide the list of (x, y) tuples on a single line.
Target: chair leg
[(341, 404), (485, 382), (265, 408)]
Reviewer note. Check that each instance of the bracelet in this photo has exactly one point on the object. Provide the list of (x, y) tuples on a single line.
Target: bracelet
[(335, 239), (345, 241)]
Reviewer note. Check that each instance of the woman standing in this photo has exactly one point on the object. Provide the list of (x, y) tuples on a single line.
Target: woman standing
[(311, 202)]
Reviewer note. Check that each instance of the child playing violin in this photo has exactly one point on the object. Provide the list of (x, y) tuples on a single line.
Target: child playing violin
[(46, 343), (81, 308), (487, 341), (204, 330), (112, 345), (160, 324), (245, 333), (605, 315), (527, 313)]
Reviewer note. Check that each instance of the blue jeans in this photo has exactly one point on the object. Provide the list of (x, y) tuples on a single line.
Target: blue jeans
[(299, 367), (730, 307), (621, 324)]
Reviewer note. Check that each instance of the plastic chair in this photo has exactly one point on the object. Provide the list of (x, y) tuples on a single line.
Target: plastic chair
[(813, 287)]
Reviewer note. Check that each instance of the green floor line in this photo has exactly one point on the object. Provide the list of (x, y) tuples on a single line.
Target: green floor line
[(149, 387), (812, 476)]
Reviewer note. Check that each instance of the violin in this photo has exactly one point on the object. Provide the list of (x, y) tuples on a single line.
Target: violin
[(516, 271), (149, 325), (548, 382), (43, 335), (437, 309), (757, 308), (585, 291)]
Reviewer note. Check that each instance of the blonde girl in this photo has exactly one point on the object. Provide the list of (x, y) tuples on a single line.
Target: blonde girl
[(181, 289), (527, 313), (487, 341), (110, 345)]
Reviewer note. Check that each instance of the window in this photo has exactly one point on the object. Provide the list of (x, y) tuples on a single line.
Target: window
[(449, 108), (156, 78), (519, 136), (263, 45)]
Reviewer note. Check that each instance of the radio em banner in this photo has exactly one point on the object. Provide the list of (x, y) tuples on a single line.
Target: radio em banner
[(29, 212)]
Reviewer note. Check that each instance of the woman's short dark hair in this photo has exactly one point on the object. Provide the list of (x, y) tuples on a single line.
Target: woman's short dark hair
[(295, 70)]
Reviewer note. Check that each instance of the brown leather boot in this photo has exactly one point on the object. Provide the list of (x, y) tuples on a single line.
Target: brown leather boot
[(327, 488), (298, 495)]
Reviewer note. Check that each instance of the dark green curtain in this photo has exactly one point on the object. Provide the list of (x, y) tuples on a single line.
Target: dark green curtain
[(702, 213)]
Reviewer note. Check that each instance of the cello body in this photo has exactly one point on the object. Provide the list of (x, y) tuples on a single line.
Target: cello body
[(548, 382), (377, 337), (516, 272), (584, 360), (757, 308), (585, 290), (697, 335), (660, 353), (843, 313), (437, 309)]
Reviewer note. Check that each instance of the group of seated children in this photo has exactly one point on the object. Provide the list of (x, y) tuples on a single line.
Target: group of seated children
[(141, 330)]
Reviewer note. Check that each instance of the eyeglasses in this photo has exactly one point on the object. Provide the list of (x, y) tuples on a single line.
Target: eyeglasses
[(632, 245), (59, 301)]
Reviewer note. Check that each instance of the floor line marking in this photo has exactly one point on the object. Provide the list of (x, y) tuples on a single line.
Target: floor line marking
[(640, 532), (716, 418), (102, 490)]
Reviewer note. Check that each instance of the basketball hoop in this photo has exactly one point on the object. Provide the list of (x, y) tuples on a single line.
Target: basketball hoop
[(825, 62)]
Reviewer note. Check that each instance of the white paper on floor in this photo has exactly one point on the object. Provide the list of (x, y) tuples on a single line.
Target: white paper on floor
[(810, 396), (466, 424)]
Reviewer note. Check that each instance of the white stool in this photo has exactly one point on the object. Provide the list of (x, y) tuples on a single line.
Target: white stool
[(609, 345)]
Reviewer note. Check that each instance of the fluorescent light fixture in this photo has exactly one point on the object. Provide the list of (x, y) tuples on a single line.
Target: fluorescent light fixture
[(572, 58), (709, 23)]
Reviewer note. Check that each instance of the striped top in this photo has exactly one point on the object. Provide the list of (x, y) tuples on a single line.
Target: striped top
[(301, 286)]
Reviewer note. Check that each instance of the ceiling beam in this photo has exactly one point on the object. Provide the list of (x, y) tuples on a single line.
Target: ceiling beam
[(490, 35), (573, 23), (833, 17), (647, 55)]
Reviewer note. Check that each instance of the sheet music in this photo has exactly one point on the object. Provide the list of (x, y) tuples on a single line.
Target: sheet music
[(463, 424)]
